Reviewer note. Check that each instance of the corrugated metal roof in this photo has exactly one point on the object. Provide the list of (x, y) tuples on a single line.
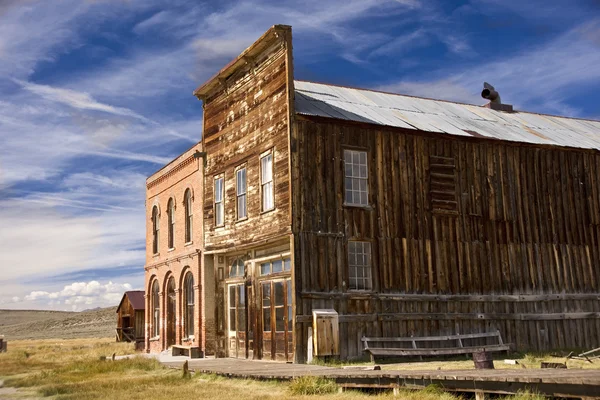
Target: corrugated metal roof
[(442, 116)]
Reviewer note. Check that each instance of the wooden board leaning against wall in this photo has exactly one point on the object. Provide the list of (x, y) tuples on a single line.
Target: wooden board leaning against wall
[(467, 236)]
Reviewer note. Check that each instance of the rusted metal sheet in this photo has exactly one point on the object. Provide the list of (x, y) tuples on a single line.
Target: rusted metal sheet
[(409, 112)]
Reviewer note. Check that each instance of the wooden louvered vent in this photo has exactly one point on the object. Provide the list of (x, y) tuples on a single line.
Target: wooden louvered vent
[(442, 184)]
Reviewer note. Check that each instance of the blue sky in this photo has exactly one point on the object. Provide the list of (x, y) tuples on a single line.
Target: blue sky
[(95, 95)]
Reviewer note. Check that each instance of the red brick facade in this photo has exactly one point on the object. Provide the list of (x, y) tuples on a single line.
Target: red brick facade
[(169, 261)]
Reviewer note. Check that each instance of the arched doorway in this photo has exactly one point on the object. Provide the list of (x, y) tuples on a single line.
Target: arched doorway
[(171, 312)]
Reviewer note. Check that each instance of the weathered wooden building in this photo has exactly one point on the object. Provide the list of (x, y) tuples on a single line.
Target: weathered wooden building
[(131, 318), (408, 216)]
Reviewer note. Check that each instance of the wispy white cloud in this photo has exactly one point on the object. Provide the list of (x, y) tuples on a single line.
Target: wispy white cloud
[(79, 100), (534, 79)]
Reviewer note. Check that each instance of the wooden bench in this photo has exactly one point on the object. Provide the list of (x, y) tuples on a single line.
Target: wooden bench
[(190, 351), (459, 348)]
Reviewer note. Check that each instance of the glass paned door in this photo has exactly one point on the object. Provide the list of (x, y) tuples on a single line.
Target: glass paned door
[(237, 320), (276, 296)]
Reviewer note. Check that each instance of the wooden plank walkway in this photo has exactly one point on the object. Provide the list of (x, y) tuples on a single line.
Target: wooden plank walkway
[(574, 383)]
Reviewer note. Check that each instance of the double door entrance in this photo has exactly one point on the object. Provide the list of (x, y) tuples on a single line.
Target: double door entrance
[(260, 319)]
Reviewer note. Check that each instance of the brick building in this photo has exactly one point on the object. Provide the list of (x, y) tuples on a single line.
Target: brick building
[(176, 293)]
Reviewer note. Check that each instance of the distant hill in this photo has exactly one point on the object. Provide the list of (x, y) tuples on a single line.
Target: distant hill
[(37, 324)]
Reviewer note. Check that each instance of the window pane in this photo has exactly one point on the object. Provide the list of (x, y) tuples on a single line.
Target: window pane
[(218, 190), (363, 157), (348, 156), (265, 268), (268, 196), (279, 294), (241, 181), (277, 266), (266, 292), (241, 295), (241, 206), (280, 319), (267, 168), (266, 303), (232, 319), (219, 217), (287, 264)]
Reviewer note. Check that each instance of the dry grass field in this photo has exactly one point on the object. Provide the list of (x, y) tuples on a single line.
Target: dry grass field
[(35, 324), (75, 369), (61, 355)]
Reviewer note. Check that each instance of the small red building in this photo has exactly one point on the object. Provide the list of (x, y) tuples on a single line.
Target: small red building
[(131, 318)]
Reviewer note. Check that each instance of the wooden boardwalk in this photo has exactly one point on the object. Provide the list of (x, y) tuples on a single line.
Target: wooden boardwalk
[(574, 383)]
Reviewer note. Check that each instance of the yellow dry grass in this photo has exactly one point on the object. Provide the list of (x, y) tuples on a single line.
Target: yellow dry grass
[(74, 369)]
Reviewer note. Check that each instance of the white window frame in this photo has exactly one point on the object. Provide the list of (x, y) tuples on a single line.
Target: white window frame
[(360, 267), (219, 201), (356, 178), (267, 183), (241, 192)]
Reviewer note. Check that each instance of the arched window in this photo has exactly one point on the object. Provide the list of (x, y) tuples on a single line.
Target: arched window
[(188, 215), (155, 229), (155, 309), (188, 299), (237, 268), (171, 222)]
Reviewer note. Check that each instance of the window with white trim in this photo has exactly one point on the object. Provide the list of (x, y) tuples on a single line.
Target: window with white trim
[(266, 182), (219, 201), (356, 178), (241, 185), (359, 266)]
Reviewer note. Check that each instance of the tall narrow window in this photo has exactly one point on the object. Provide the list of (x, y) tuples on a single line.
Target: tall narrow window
[(219, 206), (240, 187), (171, 223), (356, 178), (155, 229), (266, 182), (189, 305), (359, 264), (155, 309), (187, 199)]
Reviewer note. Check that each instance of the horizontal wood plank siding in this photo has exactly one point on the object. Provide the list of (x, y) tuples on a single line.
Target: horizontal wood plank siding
[(448, 219), (246, 117)]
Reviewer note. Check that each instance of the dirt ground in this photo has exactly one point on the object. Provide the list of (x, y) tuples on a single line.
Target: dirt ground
[(34, 324)]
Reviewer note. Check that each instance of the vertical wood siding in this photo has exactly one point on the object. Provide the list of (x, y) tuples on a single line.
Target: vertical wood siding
[(517, 251)]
